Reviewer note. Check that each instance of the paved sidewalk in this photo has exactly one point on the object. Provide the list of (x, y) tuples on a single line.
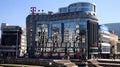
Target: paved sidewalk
[(67, 63)]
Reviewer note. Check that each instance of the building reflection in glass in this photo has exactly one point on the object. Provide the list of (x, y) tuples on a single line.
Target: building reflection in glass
[(41, 39), (66, 36)]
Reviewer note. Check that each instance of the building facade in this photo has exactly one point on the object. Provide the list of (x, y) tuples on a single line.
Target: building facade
[(74, 29), (108, 43), (118, 50), (104, 42), (10, 41), (115, 27), (114, 45), (0, 40), (23, 44)]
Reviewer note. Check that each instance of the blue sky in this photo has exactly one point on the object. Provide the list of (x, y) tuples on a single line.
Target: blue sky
[(14, 12)]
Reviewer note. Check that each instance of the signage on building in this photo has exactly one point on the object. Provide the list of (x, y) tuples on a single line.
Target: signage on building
[(33, 10)]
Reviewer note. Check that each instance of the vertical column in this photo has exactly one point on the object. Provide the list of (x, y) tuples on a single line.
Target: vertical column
[(62, 31), (49, 30)]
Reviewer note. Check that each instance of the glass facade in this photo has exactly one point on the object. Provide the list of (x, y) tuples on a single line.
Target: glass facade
[(79, 6), (105, 49), (64, 36), (65, 32), (64, 9), (103, 27), (10, 37), (10, 41), (115, 27)]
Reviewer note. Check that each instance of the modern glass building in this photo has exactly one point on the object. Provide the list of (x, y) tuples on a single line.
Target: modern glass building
[(115, 27), (73, 30)]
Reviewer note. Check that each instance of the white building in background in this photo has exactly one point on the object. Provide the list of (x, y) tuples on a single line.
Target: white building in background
[(104, 42), (115, 44), (23, 46), (109, 43)]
